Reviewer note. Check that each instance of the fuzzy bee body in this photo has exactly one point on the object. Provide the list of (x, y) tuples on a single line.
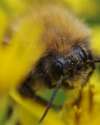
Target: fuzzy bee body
[(66, 40), (64, 35)]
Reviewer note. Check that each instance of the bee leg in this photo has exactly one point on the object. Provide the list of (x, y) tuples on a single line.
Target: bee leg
[(45, 102), (26, 91)]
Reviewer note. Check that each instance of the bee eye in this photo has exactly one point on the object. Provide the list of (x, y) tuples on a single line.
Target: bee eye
[(83, 55), (57, 67)]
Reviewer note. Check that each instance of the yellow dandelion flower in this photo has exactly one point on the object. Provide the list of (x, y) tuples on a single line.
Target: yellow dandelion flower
[(18, 55), (17, 58), (85, 109)]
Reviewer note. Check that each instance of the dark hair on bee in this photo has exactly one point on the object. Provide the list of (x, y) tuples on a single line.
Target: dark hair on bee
[(67, 58)]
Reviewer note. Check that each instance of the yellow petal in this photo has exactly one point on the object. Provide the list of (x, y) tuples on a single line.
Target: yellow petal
[(35, 111)]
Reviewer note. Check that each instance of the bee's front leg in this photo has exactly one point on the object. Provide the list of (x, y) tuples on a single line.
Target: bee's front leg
[(26, 91)]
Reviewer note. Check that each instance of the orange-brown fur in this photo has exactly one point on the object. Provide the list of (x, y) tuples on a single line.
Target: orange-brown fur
[(62, 29), (61, 32)]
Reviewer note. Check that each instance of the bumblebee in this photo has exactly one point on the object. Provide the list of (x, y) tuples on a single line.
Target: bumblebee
[(67, 61)]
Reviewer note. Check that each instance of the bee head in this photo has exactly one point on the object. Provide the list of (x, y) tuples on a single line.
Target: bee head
[(70, 65), (65, 67)]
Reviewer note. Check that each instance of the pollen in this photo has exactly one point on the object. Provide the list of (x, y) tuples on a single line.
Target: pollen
[(78, 60), (87, 60)]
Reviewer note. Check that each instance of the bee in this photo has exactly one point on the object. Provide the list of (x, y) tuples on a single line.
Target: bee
[(67, 61)]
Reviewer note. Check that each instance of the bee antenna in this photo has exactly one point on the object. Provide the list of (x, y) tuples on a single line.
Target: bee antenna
[(52, 97), (91, 61), (95, 61)]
